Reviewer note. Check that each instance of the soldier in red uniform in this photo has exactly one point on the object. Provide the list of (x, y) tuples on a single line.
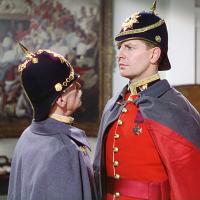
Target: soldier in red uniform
[(149, 139)]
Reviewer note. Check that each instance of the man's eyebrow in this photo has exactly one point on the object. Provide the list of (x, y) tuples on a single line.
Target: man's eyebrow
[(129, 45), (118, 45)]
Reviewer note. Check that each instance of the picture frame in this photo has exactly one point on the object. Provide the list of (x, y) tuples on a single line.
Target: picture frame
[(28, 21)]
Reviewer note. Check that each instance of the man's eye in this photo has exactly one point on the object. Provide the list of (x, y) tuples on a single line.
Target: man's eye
[(130, 47)]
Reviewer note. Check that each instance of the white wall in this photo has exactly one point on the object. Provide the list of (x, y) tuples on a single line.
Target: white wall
[(197, 54), (181, 26), (179, 16)]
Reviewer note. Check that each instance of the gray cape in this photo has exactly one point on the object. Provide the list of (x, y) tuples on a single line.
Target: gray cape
[(48, 164)]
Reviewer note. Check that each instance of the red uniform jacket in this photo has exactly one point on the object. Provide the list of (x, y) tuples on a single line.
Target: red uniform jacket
[(174, 125)]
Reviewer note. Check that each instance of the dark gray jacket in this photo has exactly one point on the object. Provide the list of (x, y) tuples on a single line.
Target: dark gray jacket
[(49, 164)]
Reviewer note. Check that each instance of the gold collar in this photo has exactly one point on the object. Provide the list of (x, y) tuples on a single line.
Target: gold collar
[(61, 118), (143, 84)]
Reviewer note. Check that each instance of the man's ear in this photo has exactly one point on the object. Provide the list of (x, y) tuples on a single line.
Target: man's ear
[(60, 102), (156, 53)]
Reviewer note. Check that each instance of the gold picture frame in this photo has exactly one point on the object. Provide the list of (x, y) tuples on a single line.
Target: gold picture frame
[(12, 126)]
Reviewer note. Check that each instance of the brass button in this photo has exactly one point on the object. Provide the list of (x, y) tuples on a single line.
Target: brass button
[(116, 163), (117, 176), (124, 110), (115, 149), (116, 136), (130, 99), (120, 122), (83, 149), (117, 194)]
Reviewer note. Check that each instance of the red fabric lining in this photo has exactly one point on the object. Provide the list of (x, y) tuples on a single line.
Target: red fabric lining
[(182, 160)]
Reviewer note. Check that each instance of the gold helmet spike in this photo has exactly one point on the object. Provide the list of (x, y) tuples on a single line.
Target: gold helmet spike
[(26, 51), (153, 8), (29, 57)]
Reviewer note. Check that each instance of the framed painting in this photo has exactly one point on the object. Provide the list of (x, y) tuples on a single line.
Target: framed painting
[(81, 30)]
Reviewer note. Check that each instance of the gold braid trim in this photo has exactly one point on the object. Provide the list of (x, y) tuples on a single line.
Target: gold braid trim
[(61, 118), (62, 60), (142, 84), (141, 30), (31, 58)]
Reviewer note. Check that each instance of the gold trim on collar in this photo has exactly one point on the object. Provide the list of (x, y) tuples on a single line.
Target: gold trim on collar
[(142, 84), (141, 30), (61, 118)]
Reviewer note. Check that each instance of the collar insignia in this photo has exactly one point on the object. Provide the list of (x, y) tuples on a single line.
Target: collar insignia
[(143, 84)]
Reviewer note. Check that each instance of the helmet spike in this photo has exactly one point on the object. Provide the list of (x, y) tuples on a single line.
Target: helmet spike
[(26, 51), (29, 57), (153, 8)]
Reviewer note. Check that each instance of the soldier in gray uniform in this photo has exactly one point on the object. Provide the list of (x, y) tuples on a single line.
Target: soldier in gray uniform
[(50, 160)]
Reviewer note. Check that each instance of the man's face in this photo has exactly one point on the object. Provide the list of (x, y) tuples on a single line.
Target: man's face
[(134, 59), (72, 98)]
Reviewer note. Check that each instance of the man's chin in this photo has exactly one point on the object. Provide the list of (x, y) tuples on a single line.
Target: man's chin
[(125, 75)]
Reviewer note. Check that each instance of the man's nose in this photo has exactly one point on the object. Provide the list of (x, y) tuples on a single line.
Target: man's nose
[(120, 54)]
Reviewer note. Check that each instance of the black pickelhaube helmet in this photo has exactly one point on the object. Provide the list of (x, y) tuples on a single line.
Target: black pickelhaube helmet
[(150, 27), (44, 77)]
